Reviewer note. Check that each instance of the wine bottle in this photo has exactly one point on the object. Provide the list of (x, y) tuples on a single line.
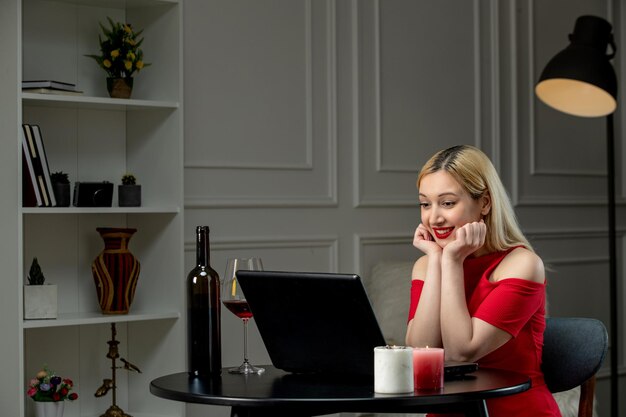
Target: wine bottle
[(203, 311)]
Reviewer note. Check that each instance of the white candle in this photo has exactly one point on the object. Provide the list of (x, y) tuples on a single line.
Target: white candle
[(428, 367), (393, 369)]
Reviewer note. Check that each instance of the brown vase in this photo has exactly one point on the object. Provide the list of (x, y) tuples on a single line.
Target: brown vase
[(120, 87), (115, 271)]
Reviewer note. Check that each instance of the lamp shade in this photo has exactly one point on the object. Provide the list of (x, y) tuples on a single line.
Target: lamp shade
[(580, 80)]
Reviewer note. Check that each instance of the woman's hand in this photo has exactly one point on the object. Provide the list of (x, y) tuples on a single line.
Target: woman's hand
[(467, 240), (423, 240)]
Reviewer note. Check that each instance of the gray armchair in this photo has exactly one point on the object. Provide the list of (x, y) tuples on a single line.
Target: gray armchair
[(573, 351)]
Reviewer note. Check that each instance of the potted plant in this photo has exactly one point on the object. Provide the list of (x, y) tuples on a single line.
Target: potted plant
[(50, 391), (120, 56), (40, 299), (129, 192), (61, 188)]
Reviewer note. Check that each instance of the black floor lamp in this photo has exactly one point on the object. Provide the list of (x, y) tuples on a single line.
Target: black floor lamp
[(581, 81)]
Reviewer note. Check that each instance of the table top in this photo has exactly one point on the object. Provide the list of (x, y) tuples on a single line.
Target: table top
[(276, 388)]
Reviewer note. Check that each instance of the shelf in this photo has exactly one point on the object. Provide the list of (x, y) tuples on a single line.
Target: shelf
[(101, 210), (78, 319), (58, 100)]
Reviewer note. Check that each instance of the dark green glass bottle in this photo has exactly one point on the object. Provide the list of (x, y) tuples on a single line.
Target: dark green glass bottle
[(203, 311)]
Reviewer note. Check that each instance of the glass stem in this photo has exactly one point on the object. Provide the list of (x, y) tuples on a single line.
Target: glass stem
[(245, 340)]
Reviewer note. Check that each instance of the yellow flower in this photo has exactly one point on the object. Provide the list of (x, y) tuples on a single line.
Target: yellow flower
[(124, 58), (42, 374)]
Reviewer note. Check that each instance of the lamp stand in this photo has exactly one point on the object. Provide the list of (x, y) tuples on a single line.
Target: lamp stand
[(610, 148), (564, 85)]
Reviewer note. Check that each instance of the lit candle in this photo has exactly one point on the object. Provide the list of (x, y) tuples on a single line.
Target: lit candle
[(428, 368), (393, 369)]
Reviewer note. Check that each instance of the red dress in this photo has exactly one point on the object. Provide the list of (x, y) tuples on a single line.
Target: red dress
[(516, 306)]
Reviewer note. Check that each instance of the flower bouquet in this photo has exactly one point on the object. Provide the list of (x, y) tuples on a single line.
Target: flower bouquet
[(49, 387), (120, 53)]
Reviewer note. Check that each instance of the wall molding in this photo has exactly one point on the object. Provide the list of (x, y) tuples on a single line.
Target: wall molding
[(578, 261), (577, 234), (196, 202), (551, 172), (565, 202), (496, 93), (360, 197), (380, 165), (357, 190), (308, 131), (329, 242), (275, 242), (330, 145), (361, 240), (513, 104), (558, 234)]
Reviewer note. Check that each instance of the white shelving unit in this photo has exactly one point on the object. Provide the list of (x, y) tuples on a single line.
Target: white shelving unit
[(93, 138), (94, 102)]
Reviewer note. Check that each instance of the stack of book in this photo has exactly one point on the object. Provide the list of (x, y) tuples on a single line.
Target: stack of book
[(50, 87), (36, 183)]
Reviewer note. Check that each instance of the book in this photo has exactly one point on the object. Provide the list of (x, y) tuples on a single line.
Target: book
[(44, 163), (45, 90), (38, 171), (57, 85), (30, 189)]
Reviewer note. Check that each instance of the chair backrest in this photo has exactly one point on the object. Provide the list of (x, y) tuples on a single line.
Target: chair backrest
[(573, 351)]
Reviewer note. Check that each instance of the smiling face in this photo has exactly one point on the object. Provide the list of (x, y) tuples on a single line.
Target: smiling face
[(446, 206)]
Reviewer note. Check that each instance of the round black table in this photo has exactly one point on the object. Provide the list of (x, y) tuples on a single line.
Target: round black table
[(276, 393)]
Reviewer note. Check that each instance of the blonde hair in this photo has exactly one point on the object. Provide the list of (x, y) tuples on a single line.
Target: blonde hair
[(473, 170)]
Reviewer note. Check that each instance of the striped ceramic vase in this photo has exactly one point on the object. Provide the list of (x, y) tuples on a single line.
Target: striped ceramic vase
[(115, 271)]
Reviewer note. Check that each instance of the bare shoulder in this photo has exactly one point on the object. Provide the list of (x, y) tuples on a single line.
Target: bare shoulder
[(419, 268), (521, 263)]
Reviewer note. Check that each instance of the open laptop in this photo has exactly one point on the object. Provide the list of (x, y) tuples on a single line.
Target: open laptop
[(318, 322)]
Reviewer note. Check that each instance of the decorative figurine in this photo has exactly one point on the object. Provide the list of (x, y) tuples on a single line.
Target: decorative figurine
[(109, 383)]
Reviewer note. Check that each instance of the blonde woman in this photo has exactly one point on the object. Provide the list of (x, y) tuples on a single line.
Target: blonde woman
[(479, 289)]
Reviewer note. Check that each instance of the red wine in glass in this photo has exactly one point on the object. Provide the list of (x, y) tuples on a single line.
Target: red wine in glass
[(235, 301), (239, 308)]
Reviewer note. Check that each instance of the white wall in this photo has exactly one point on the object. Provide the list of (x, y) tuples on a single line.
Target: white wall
[(307, 120)]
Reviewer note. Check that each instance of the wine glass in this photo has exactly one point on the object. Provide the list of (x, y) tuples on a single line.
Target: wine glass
[(235, 301)]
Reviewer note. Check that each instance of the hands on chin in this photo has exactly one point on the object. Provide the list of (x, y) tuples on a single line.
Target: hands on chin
[(423, 240), (467, 240)]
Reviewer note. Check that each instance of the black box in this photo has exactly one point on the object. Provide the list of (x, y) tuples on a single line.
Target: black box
[(93, 194)]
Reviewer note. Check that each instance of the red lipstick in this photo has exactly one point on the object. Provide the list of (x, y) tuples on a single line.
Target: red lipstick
[(442, 232)]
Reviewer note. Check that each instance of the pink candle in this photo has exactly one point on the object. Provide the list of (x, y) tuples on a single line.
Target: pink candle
[(428, 368)]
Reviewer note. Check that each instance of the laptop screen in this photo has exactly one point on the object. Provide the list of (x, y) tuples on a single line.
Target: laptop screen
[(314, 322), (319, 322)]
